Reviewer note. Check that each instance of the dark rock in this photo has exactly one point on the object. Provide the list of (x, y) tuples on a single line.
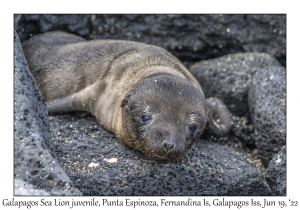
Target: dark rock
[(267, 102), (276, 174), (243, 130), (189, 37), (242, 175), (29, 25), (35, 162), (228, 77), (267, 33), (99, 164)]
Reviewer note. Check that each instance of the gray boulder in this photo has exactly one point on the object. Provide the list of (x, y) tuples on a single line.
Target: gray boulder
[(267, 102), (35, 163), (228, 77), (276, 174)]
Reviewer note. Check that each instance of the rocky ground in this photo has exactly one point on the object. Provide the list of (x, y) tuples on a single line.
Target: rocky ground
[(240, 59)]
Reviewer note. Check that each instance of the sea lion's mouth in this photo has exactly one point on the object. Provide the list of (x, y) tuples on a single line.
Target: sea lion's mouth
[(161, 158), (164, 158)]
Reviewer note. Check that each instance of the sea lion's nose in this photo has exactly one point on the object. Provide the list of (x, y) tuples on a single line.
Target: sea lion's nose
[(168, 146)]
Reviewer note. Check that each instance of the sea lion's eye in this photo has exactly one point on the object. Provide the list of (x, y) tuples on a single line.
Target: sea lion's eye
[(145, 118), (192, 128)]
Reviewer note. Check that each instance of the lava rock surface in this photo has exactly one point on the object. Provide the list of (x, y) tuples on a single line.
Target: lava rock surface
[(35, 163), (267, 102), (276, 174)]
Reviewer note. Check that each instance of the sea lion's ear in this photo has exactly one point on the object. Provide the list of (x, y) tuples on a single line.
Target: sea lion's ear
[(125, 100), (219, 118)]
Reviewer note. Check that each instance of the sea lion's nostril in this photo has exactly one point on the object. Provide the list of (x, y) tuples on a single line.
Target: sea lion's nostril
[(168, 145)]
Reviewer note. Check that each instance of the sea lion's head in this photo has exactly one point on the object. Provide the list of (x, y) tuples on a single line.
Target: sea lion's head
[(162, 115)]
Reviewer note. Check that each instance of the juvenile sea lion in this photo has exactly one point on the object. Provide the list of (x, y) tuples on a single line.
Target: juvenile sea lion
[(140, 92)]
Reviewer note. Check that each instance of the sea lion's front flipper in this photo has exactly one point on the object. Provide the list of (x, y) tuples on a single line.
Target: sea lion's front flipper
[(219, 119), (61, 105), (83, 100)]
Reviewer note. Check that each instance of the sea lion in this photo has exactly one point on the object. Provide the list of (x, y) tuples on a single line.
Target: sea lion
[(140, 92)]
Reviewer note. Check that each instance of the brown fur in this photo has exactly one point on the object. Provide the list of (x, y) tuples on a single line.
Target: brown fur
[(117, 81)]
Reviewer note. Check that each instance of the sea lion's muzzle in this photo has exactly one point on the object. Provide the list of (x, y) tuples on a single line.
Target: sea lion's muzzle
[(173, 143), (172, 146)]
